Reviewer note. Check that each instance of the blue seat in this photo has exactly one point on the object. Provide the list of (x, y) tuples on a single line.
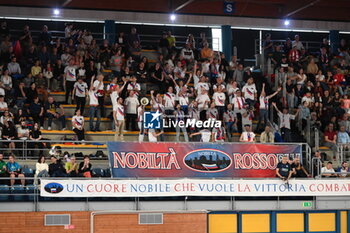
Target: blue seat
[(97, 172), (28, 172), (4, 192), (18, 193), (107, 172), (30, 191)]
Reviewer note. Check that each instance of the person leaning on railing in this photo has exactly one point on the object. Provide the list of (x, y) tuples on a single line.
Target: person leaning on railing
[(343, 169), (328, 170), (284, 169)]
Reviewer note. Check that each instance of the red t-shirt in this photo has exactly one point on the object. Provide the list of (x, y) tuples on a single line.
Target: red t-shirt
[(338, 78), (330, 135)]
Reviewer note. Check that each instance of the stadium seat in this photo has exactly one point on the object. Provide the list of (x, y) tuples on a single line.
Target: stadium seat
[(4, 191), (98, 172), (28, 172), (18, 193), (107, 172), (30, 191)]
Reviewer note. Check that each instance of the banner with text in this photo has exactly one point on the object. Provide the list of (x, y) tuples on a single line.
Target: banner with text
[(192, 187), (147, 159)]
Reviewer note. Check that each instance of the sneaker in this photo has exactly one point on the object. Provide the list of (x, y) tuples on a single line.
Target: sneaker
[(41, 128), (64, 129), (49, 128)]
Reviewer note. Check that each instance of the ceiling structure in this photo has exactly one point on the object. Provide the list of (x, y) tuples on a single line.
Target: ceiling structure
[(325, 10)]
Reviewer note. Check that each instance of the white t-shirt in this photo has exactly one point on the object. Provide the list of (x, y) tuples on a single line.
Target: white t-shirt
[(131, 104), (71, 73), (23, 131), (285, 120), (219, 98), (248, 136), (326, 170), (249, 91), (183, 99), (264, 102), (229, 116), (79, 121), (120, 114), (212, 113), (157, 107), (201, 86), (238, 104), (205, 135), (93, 98), (114, 96), (80, 89), (134, 87), (202, 99), (98, 88), (169, 99)]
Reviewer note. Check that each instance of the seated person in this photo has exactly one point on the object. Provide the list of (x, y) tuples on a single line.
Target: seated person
[(247, 135), (267, 136), (344, 169), (14, 170), (72, 167), (328, 170), (85, 167), (52, 107), (56, 168), (299, 170)]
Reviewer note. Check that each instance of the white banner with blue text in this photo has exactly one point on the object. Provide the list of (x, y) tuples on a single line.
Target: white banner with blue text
[(193, 187)]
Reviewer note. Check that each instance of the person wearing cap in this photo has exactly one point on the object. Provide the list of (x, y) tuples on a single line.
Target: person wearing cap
[(247, 135)]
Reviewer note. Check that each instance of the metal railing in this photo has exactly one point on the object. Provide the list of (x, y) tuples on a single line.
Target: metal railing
[(343, 151)]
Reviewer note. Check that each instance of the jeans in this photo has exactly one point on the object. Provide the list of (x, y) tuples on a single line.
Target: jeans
[(263, 116), (230, 128), (62, 119), (183, 129), (292, 100), (95, 111), (331, 146)]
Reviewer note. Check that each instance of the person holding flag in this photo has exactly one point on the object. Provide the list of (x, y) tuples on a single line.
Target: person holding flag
[(78, 125), (119, 117), (79, 94)]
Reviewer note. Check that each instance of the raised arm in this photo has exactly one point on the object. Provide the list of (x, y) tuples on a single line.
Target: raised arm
[(274, 105), (276, 92)]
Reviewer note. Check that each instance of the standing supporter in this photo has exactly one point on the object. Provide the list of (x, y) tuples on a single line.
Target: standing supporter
[(153, 135), (247, 135), (203, 100), (169, 101), (119, 119), (179, 116), (140, 112), (80, 92), (212, 112), (131, 103), (70, 77), (285, 118), (99, 90), (194, 114), (95, 109), (249, 92), (52, 108), (230, 122), (219, 98), (264, 107), (78, 124), (134, 86), (142, 77), (238, 103)]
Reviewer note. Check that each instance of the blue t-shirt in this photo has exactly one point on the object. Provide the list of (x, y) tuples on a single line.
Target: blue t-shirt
[(11, 167)]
